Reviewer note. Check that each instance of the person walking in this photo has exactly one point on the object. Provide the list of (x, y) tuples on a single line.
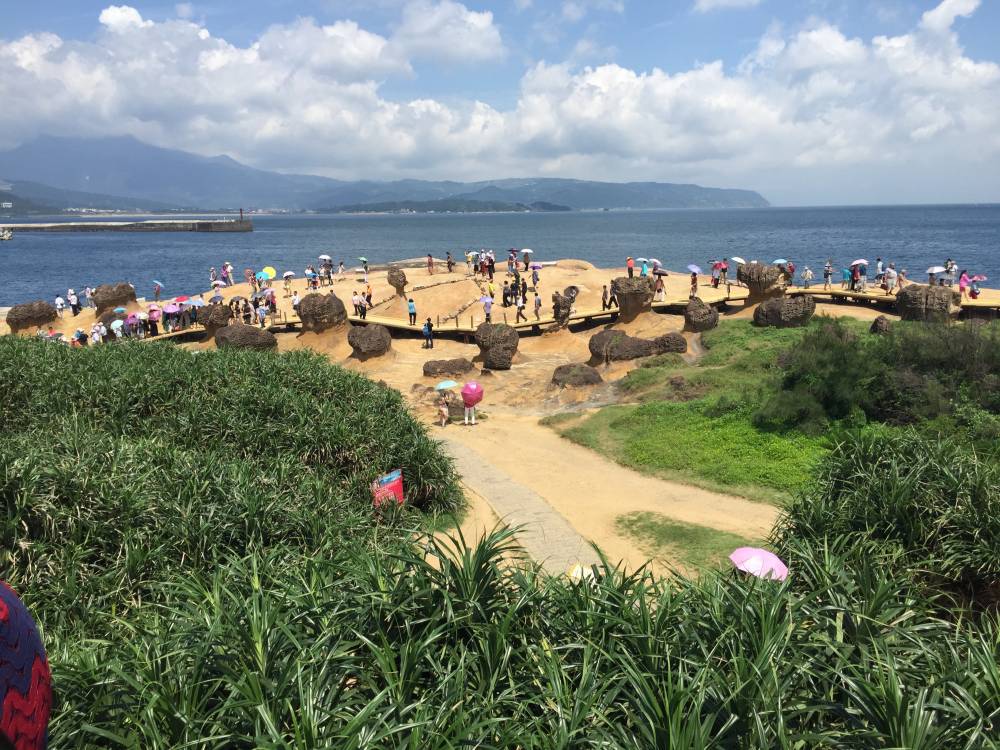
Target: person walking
[(368, 295), (605, 302), (295, 303), (724, 271), (520, 310), (428, 331), (341, 271), (411, 307), (364, 267), (488, 308), (644, 271), (363, 308), (356, 301), (491, 264), (828, 275), (430, 264), (534, 278), (213, 276), (60, 305), (443, 413), (863, 277), (524, 288), (157, 290), (963, 284), (450, 261), (891, 277), (538, 306), (658, 288), (807, 276), (694, 285), (74, 302), (630, 266)]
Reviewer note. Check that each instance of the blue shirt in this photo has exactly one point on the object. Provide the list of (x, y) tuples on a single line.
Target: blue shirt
[(411, 307)]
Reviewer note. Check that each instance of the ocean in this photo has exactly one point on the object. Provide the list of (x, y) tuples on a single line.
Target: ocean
[(41, 265)]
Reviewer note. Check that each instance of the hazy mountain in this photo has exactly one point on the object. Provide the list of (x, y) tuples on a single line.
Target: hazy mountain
[(127, 167), (34, 197)]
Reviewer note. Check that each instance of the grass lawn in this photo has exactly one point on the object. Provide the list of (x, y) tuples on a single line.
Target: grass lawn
[(692, 423), (694, 546)]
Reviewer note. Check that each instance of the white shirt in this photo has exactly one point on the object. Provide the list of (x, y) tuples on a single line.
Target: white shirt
[(60, 303)]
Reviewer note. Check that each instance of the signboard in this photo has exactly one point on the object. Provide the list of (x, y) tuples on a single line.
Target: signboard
[(388, 488)]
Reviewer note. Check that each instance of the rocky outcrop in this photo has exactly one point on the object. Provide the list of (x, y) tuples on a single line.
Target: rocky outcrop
[(436, 368), (700, 317), (616, 346), (110, 296), (320, 312), (30, 315), (242, 336), (785, 312), (634, 295), (562, 306), (214, 317), (933, 304), (880, 326), (576, 375), (369, 341), (397, 280), (497, 345), (761, 280)]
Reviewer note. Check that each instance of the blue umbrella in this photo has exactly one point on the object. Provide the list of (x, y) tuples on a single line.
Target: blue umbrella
[(445, 385), (120, 310), (217, 298), (779, 261), (261, 276), (197, 303), (158, 283)]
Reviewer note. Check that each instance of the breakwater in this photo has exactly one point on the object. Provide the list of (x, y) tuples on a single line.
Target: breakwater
[(156, 225)]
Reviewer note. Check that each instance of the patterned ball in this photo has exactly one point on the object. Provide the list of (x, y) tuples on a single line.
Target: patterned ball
[(25, 682)]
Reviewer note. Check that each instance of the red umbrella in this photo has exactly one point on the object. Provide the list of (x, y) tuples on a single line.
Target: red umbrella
[(472, 394), (182, 298)]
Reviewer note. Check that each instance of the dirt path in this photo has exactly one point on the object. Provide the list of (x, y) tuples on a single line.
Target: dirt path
[(587, 490)]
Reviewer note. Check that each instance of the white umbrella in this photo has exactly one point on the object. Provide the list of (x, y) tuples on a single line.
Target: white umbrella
[(642, 260), (288, 274), (325, 257), (693, 268), (738, 259), (860, 262), (779, 261), (655, 261), (935, 269), (527, 251)]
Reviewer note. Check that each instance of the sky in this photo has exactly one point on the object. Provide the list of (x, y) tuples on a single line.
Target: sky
[(810, 102)]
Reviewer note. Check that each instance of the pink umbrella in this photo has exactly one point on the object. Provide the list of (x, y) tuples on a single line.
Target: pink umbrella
[(153, 307), (979, 277), (472, 393), (759, 562), (171, 309), (154, 315)]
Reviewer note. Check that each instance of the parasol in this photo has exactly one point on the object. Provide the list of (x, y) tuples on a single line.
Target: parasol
[(158, 283), (363, 259), (536, 266), (116, 324), (759, 562), (660, 272), (782, 261), (860, 262), (472, 393), (737, 259), (216, 299), (445, 385), (119, 309), (325, 257), (171, 309), (693, 268), (979, 277), (288, 274), (527, 251), (935, 269), (182, 298), (269, 272)]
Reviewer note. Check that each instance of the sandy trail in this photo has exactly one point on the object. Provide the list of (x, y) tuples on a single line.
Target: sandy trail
[(590, 491)]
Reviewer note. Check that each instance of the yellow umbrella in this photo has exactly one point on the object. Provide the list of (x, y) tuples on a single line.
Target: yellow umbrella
[(269, 270)]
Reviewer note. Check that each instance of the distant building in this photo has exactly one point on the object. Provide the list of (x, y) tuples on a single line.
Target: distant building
[(6, 205)]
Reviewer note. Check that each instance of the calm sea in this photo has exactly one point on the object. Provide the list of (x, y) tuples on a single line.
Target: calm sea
[(915, 237)]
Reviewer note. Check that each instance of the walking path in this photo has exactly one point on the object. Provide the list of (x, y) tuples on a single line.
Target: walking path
[(545, 535), (567, 494)]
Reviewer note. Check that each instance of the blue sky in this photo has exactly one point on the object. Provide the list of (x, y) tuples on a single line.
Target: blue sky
[(814, 101)]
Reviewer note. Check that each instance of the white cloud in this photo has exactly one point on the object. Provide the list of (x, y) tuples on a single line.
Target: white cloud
[(806, 104), (184, 10), (121, 18), (576, 10), (446, 30), (706, 6), (941, 18)]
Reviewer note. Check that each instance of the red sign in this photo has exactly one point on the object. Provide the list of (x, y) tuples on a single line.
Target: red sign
[(388, 488)]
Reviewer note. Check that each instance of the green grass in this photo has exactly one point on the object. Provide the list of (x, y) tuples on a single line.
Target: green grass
[(692, 545)]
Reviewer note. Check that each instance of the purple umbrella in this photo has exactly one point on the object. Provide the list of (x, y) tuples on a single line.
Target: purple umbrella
[(536, 266), (759, 562), (171, 309)]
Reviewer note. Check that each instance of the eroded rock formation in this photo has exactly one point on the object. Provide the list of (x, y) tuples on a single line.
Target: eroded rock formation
[(634, 295), (576, 375), (320, 312), (927, 303), (785, 312), (214, 317), (562, 306), (30, 315), (497, 345), (369, 341), (110, 296), (436, 368), (615, 346), (397, 280), (881, 325), (242, 336), (700, 317), (761, 280)]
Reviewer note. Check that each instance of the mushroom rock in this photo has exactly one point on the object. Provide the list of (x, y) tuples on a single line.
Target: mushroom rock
[(926, 303), (440, 367), (634, 295), (785, 312), (110, 296), (562, 305), (320, 312), (242, 336), (700, 317), (397, 280), (576, 375), (616, 346), (497, 345), (881, 325), (30, 315), (762, 280), (369, 341), (214, 317)]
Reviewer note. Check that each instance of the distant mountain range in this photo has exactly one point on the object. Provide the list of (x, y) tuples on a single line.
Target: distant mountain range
[(124, 173)]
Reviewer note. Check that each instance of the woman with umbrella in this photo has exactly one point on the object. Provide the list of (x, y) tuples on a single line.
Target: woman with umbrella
[(472, 394), (444, 413), (157, 288)]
